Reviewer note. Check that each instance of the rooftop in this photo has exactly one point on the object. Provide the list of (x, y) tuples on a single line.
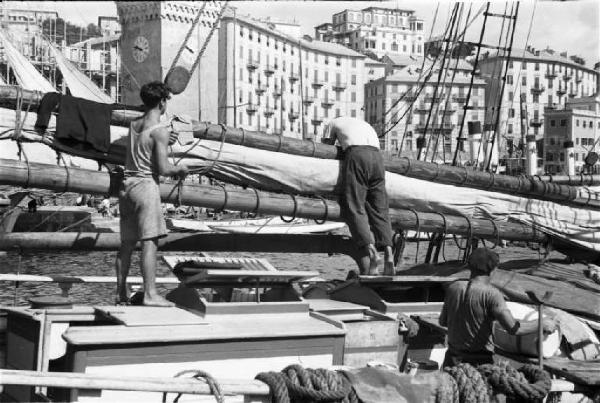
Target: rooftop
[(544, 55), (97, 40), (317, 46), (412, 75)]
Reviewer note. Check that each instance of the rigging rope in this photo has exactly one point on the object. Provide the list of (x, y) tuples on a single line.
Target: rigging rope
[(512, 37), (450, 88), (440, 72), (489, 111)]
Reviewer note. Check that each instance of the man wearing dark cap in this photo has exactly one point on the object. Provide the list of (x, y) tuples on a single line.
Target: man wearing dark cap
[(469, 312)]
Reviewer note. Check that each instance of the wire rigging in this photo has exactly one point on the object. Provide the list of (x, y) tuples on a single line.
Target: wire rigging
[(440, 72)]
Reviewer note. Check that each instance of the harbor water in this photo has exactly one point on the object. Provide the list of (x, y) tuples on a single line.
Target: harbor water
[(79, 263)]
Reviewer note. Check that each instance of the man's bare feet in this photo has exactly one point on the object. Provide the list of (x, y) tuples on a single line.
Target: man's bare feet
[(122, 295), (388, 269), (374, 257), (156, 300)]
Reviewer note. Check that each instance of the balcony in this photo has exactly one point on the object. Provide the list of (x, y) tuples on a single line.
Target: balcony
[(260, 89), (317, 83), (339, 86), (252, 65), (561, 91), (269, 70), (550, 75), (293, 115), (567, 77), (294, 77), (422, 108), (538, 89), (251, 108), (269, 111), (327, 103), (536, 122), (308, 100), (316, 121), (429, 98)]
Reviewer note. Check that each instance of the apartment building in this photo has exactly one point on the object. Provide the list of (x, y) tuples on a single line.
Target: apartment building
[(385, 112), (577, 124), (376, 31), (546, 78), (272, 81)]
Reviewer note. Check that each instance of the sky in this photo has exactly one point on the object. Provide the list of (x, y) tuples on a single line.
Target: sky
[(572, 26)]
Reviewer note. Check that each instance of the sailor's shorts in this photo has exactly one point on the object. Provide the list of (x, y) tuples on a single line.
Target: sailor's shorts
[(141, 216)]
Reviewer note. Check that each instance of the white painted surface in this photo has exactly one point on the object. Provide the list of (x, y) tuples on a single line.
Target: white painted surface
[(245, 368)]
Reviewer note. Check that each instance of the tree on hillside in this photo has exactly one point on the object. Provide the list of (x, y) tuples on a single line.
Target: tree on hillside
[(74, 33)]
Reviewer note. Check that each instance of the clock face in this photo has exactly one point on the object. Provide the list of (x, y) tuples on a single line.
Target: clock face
[(140, 49)]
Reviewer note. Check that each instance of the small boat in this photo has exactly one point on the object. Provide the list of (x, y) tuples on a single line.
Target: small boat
[(291, 228)]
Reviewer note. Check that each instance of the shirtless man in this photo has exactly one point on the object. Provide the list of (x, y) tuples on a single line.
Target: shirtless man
[(365, 202), (141, 216)]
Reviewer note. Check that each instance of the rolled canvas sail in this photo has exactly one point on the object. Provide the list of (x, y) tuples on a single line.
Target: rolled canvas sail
[(305, 175)]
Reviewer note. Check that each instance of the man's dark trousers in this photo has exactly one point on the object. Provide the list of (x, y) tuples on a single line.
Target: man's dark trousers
[(365, 203)]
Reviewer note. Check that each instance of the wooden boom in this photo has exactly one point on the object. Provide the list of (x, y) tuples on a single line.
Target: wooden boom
[(65, 179), (458, 176)]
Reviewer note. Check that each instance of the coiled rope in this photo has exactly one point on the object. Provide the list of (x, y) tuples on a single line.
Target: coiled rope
[(527, 384), (298, 384)]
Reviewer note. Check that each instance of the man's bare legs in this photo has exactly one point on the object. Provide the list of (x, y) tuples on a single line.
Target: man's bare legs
[(122, 265), (151, 297)]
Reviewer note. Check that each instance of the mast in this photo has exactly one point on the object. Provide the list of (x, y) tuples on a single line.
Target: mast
[(512, 36), (466, 106), (234, 70)]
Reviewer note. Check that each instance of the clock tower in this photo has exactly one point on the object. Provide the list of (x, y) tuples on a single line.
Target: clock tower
[(152, 34)]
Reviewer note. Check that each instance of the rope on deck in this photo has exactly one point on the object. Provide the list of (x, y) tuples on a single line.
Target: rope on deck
[(298, 384)]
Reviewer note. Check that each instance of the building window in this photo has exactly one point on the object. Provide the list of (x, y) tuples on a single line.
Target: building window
[(353, 97), (353, 79), (536, 98), (552, 123), (353, 62), (337, 113), (537, 66), (511, 95), (511, 113), (524, 64), (577, 122), (524, 80), (584, 125), (563, 122), (591, 125), (353, 113), (510, 128), (509, 79)]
